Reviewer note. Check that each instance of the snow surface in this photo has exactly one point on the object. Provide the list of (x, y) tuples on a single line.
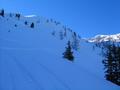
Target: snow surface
[(30, 16), (104, 38), (31, 58)]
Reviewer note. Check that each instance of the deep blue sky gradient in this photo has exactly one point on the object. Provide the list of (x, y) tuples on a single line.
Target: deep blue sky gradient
[(86, 17)]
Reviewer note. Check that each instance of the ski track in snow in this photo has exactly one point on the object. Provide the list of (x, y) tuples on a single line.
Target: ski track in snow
[(25, 71), (12, 76), (54, 75)]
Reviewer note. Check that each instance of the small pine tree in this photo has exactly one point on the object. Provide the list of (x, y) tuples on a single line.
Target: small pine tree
[(68, 54), (15, 25), (8, 30), (47, 21), (53, 33), (26, 22), (32, 25), (10, 14), (2, 13)]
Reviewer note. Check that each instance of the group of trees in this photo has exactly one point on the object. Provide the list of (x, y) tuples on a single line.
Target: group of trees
[(73, 44), (31, 25), (68, 54), (75, 41), (61, 33), (51, 20), (18, 16), (111, 61)]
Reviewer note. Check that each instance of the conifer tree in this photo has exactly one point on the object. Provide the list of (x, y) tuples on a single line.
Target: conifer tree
[(75, 42), (68, 54), (112, 63), (32, 25), (26, 23), (2, 13)]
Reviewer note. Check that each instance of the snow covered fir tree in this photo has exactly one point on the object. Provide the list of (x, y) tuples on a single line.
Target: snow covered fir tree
[(2, 13), (111, 61), (110, 51), (35, 52), (68, 54)]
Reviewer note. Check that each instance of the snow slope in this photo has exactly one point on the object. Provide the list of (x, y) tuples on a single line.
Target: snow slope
[(31, 58)]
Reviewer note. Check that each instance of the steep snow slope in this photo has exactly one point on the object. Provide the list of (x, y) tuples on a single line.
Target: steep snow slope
[(31, 58)]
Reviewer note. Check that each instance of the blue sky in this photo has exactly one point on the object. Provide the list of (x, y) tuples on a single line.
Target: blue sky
[(86, 17)]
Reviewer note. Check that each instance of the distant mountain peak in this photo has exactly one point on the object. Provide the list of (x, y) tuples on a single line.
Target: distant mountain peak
[(105, 38)]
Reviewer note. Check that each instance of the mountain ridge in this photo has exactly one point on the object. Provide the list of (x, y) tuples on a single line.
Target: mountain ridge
[(105, 38)]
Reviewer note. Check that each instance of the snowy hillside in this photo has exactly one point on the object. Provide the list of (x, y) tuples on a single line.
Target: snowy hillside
[(31, 57)]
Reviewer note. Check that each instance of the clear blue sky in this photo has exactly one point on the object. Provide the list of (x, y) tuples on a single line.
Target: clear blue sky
[(86, 17)]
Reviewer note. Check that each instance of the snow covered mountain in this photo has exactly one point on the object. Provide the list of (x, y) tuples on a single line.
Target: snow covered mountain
[(31, 57), (104, 38)]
